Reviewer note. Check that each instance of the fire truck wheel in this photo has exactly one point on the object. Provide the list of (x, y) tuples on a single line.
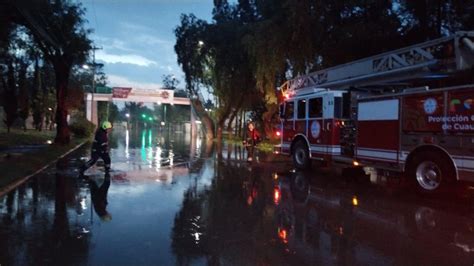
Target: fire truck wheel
[(430, 171), (301, 156)]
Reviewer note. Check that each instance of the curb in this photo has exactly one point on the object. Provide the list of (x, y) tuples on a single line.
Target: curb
[(5, 190)]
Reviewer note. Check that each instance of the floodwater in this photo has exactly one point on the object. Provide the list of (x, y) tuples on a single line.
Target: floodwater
[(171, 200)]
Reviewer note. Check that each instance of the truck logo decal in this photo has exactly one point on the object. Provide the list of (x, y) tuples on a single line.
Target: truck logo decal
[(430, 106), (315, 129), (468, 104)]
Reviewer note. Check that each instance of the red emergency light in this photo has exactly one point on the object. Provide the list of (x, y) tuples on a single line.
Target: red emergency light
[(283, 235), (276, 196)]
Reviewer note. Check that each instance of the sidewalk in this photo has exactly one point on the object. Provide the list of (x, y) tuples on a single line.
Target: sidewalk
[(23, 155)]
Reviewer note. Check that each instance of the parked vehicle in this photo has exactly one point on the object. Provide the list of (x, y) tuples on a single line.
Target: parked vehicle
[(388, 112)]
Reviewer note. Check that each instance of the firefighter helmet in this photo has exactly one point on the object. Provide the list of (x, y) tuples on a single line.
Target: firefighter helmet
[(106, 125)]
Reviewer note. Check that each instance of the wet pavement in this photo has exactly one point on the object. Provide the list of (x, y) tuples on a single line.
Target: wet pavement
[(171, 200)]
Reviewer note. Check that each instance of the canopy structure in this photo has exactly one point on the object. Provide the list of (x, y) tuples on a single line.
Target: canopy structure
[(128, 94)]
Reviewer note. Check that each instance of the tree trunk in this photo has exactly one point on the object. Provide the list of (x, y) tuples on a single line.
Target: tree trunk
[(23, 94), (10, 101), (233, 115), (241, 118), (221, 122), (205, 119), (229, 124), (62, 130), (269, 120)]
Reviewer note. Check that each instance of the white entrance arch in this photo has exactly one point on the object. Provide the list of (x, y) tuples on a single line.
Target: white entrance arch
[(127, 94)]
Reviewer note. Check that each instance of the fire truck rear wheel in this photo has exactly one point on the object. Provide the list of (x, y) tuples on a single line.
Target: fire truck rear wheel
[(430, 171), (301, 156)]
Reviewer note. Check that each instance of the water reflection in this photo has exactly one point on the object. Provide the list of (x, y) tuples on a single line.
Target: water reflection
[(99, 197), (323, 222), (49, 219), (173, 202)]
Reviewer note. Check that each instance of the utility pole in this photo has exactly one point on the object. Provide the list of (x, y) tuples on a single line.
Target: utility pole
[(93, 68)]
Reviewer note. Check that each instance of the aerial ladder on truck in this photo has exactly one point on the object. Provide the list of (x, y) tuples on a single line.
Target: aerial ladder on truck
[(394, 74), (432, 59)]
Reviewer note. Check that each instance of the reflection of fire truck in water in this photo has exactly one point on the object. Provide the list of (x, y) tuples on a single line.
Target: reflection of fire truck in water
[(407, 110)]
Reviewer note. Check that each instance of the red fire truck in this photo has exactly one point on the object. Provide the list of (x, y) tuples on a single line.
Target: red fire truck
[(409, 111)]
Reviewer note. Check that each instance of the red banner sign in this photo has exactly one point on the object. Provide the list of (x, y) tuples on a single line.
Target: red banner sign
[(121, 92)]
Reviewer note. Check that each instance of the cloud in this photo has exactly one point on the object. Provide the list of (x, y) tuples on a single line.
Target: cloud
[(113, 44), (144, 35), (152, 40), (119, 81), (124, 58)]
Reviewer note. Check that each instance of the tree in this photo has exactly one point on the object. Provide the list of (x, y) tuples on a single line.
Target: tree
[(214, 56), (16, 57), (43, 103), (108, 112), (10, 104), (253, 46), (432, 19), (192, 57), (170, 82), (23, 94), (58, 30)]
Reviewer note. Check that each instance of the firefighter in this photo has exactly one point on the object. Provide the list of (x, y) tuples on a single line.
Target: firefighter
[(252, 138), (100, 147)]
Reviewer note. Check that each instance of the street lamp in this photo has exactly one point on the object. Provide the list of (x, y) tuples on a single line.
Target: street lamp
[(127, 115), (200, 43)]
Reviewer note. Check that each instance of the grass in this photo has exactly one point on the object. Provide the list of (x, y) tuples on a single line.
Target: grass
[(22, 165), (18, 137)]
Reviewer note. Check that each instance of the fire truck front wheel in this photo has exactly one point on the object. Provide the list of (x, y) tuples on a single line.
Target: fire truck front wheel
[(300, 154), (430, 171)]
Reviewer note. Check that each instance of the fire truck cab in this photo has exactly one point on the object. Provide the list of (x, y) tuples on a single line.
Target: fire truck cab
[(373, 113), (311, 121)]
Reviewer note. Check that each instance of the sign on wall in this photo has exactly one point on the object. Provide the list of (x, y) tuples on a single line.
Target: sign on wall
[(121, 92), (134, 94)]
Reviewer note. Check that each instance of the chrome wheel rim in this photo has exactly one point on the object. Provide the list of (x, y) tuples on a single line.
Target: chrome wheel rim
[(428, 175)]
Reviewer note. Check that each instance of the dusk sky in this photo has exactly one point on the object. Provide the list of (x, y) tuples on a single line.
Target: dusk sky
[(137, 38)]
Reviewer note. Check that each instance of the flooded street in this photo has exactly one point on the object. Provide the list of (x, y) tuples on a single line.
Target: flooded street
[(170, 200)]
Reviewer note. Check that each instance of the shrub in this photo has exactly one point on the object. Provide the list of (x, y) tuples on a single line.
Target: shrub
[(81, 127)]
